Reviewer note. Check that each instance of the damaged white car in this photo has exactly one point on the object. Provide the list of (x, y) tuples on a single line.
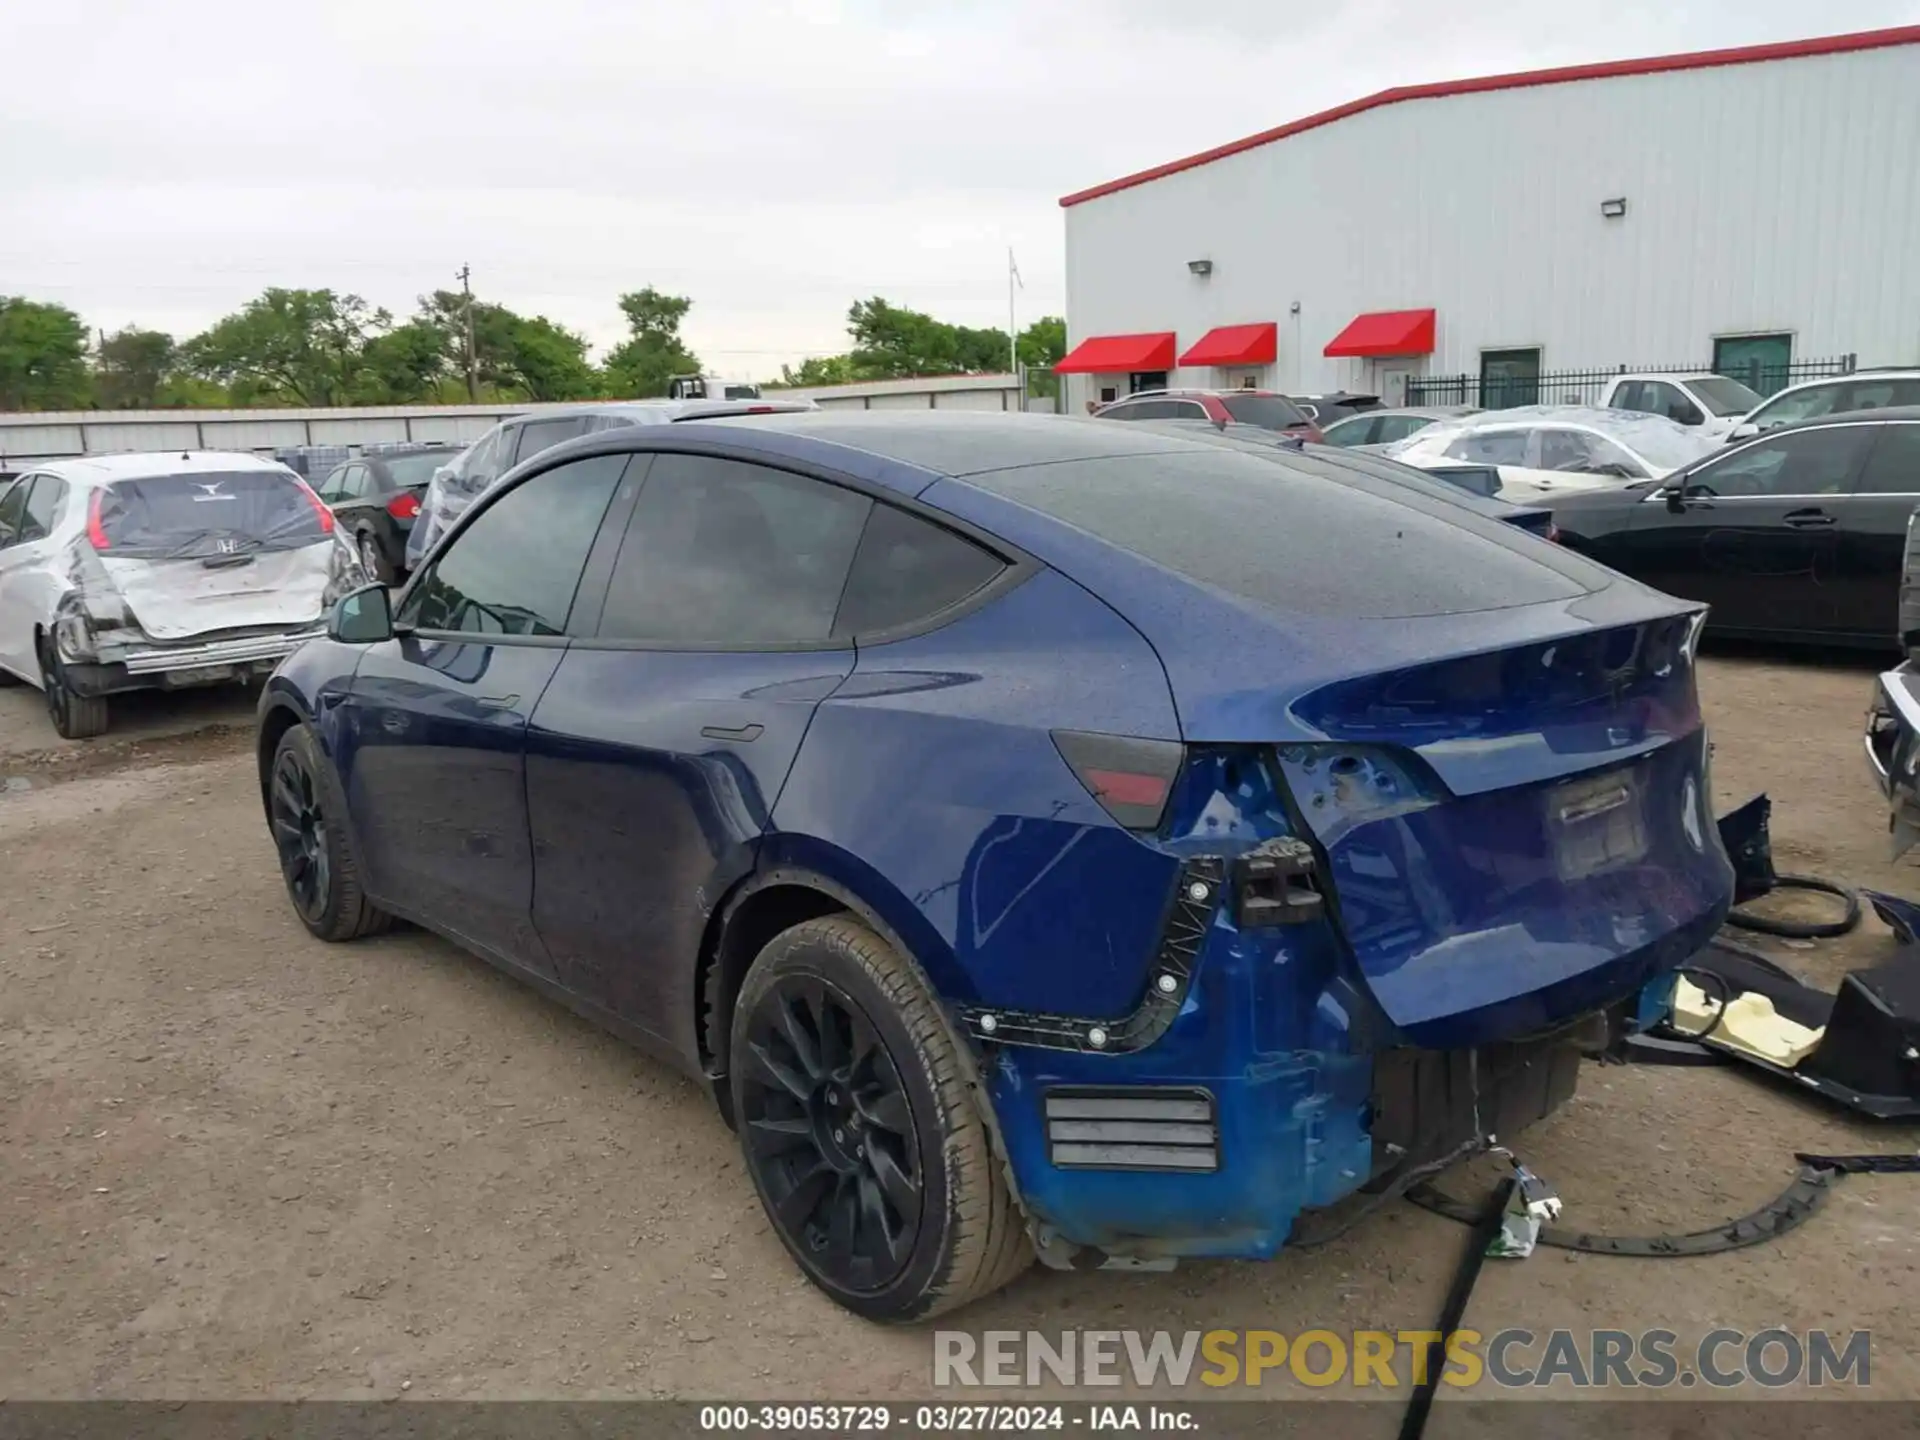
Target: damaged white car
[(136, 572)]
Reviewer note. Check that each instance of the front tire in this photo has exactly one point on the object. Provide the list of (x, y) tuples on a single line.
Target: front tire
[(870, 1157), (305, 809), (74, 717)]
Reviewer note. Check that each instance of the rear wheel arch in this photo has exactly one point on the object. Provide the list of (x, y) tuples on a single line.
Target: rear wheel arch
[(762, 907)]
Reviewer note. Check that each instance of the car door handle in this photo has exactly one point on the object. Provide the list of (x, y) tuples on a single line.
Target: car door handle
[(496, 702), (743, 733), (1807, 519)]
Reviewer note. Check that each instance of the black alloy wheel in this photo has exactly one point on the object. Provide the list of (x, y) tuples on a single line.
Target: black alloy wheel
[(300, 835), (829, 1132)]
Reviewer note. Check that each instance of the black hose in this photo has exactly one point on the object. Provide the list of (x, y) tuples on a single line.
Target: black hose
[(1706, 980), (1803, 929), (1486, 1225)]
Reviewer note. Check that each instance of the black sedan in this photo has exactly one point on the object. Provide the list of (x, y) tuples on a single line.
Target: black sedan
[(1795, 535), (377, 497)]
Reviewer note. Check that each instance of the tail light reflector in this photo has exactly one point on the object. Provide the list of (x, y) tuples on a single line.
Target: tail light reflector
[(96, 532), (404, 506), (319, 506), (1130, 777)]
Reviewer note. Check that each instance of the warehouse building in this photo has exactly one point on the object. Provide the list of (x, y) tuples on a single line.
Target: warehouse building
[(1756, 211)]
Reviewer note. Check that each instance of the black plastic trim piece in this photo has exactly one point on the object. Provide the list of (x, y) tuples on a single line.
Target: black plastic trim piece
[(1196, 900), (1169, 1129), (1275, 885)]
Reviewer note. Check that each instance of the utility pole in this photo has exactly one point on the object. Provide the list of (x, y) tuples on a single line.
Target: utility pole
[(1013, 334), (466, 289)]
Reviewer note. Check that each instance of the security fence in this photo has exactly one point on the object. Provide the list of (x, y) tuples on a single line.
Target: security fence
[(1585, 387)]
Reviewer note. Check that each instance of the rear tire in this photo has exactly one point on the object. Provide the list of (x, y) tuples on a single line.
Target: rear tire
[(305, 807), (852, 1104), (75, 717)]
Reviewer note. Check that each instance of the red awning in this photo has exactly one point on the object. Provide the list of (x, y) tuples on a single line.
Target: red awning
[(1112, 354), (1235, 345), (1386, 332)]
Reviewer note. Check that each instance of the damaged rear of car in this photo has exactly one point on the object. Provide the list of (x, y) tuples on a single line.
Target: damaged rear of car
[(165, 571), (1437, 811)]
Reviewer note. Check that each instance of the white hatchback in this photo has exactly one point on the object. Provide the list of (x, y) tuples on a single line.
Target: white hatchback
[(134, 572)]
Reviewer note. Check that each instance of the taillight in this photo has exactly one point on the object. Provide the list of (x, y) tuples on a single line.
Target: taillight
[(759, 409), (1131, 778), (319, 506), (404, 506), (96, 532)]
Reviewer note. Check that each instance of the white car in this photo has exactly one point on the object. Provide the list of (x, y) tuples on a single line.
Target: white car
[(1542, 451), (1834, 395), (137, 572), (457, 485), (1701, 400)]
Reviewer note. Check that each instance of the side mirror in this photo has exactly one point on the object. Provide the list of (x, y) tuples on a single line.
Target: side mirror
[(1675, 492), (363, 618), (1744, 431)]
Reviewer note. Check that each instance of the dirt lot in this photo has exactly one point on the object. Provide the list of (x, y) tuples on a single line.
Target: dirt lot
[(235, 1162)]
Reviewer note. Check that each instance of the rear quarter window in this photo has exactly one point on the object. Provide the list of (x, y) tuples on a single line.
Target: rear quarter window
[(1270, 412), (1268, 533)]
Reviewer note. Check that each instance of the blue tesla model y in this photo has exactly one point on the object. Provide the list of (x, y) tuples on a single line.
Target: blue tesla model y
[(1043, 836)]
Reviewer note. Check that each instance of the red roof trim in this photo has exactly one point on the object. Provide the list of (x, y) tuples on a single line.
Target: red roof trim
[(1236, 345), (1611, 69)]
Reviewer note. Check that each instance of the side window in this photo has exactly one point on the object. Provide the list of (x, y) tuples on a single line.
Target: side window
[(1672, 402), (1135, 411), (908, 569), (1361, 430), (482, 465), (1186, 410), (43, 507), (353, 482), (722, 554), (1391, 427), (1588, 454), (1894, 466), (1804, 404), (333, 487), (1629, 395), (1807, 462), (1499, 447), (1878, 394), (538, 435), (13, 503), (514, 570)]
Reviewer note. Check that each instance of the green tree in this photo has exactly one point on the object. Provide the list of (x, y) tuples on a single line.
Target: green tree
[(891, 342), (404, 366), (516, 356), (43, 356), (131, 367), (1041, 346), (822, 370), (653, 353), (549, 361), (306, 347)]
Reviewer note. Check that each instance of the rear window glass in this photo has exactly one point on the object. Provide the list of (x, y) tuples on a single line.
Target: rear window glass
[(418, 469), (200, 514), (1273, 535), (1270, 412)]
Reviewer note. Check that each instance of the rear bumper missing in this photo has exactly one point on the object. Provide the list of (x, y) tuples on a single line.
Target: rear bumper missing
[(179, 667)]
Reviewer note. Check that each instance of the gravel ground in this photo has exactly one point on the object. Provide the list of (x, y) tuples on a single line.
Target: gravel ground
[(237, 1163)]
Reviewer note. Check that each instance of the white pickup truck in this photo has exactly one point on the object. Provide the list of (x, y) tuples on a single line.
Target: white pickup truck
[(1712, 404)]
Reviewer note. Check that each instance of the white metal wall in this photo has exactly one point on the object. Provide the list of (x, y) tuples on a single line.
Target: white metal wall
[(1779, 196)]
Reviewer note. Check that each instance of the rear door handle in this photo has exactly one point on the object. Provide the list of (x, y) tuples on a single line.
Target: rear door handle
[(743, 733), (1807, 519), (496, 702)]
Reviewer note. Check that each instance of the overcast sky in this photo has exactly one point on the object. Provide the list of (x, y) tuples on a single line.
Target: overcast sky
[(161, 163)]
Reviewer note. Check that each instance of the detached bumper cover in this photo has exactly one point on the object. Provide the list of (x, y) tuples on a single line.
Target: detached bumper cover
[(135, 667), (1892, 746)]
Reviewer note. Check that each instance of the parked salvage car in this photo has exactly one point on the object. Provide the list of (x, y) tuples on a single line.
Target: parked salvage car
[(1798, 534), (1383, 426), (1875, 389), (1368, 470), (1701, 400), (1334, 405), (1223, 407), (1545, 451), (377, 498), (512, 442), (135, 572), (1019, 822)]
